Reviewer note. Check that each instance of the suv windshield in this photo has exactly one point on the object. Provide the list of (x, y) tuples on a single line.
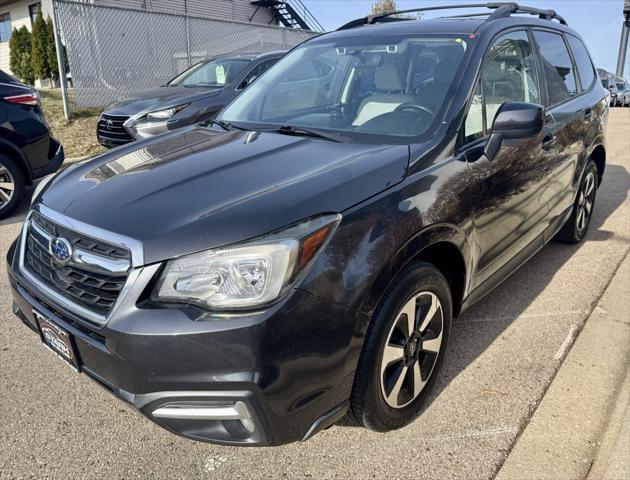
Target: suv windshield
[(213, 73), (363, 89)]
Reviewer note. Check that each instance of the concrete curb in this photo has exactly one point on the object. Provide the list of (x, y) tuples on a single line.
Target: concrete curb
[(563, 437), (612, 462)]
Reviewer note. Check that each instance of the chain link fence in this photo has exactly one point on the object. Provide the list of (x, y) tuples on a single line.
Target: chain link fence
[(113, 51)]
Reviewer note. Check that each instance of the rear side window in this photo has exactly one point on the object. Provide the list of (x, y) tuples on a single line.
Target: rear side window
[(583, 62), (557, 67), (256, 72)]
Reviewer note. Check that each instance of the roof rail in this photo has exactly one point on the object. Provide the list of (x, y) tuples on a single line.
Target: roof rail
[(501, 10)]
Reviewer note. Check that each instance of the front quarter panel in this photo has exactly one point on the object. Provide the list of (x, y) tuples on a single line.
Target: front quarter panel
[(377, 238)]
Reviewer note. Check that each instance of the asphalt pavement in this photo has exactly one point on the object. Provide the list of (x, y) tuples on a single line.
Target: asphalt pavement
[(504, 354)]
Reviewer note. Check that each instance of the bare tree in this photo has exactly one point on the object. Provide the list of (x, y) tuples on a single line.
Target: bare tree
[(383, 6)]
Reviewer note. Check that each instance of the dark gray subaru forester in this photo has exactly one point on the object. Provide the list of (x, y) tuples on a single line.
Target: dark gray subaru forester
[(302, 258)]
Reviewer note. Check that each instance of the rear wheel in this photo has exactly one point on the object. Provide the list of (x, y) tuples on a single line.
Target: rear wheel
[(11, 186), (577, 225), (403, 350)]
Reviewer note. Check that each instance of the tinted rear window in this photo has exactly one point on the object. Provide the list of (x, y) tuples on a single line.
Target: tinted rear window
[(557, 66), (583, 62)]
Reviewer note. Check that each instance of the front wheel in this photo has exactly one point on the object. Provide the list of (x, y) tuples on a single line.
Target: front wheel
[(577, 225), (403, 350)]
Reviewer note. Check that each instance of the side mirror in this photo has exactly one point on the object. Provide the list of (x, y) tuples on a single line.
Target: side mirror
[(514, 121), (247, 82)]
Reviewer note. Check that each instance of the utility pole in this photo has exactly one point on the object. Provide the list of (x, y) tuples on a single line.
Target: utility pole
[(623, 45), (67, 112)]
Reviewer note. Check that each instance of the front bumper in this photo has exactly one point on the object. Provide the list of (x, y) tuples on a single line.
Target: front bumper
[(282, 364), (112, 142), (137, 129)]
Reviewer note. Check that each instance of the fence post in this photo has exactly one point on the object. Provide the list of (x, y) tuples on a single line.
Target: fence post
[(67, 111), (187, 33)]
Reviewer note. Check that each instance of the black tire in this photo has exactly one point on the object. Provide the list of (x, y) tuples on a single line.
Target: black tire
[(369, 405), (574, 230), (10, 173)]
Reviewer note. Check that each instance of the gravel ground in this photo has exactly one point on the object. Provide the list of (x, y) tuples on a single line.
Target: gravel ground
[(504, 354)]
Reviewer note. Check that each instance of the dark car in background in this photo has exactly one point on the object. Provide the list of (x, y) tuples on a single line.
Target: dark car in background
[(194, 96), (27, 150), (252, 281)]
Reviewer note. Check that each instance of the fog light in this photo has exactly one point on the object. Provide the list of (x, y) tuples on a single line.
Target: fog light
[(237, 411), (248, 424)]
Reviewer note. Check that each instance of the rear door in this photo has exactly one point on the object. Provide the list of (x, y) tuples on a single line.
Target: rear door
[(511, 204), (571, 113)]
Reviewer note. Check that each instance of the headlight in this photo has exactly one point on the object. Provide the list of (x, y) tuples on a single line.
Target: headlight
[(43, 183), (246, 275), (166, 113)]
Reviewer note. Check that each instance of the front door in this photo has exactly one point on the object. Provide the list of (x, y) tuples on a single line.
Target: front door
[(511, 204)]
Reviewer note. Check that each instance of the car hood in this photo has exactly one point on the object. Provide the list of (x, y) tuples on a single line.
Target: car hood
[(196, 188), (158, 99)]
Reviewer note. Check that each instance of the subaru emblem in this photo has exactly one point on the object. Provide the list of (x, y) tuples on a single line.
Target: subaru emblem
[(61, 249)]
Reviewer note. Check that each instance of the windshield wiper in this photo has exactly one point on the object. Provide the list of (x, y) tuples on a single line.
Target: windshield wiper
[(227, 126), (305, 132), (224, 125)]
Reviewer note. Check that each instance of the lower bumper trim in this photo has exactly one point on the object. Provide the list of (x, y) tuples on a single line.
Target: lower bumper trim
[(238, 411)]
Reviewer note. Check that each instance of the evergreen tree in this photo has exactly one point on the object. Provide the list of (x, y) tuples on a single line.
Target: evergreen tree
[(20, 57), (39, 50), (26, 67), (51, 50), (16, 46)]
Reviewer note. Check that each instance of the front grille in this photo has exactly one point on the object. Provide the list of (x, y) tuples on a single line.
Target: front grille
[(96, 291), (111, 127)]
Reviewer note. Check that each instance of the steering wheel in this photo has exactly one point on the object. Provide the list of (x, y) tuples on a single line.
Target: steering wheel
[(413, 106)]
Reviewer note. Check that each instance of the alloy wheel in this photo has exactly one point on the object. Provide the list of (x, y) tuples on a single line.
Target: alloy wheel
[(7, 186), (585, 201), (411, 350)]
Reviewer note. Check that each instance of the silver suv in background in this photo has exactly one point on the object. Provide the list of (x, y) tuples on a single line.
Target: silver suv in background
[(621, 86), (615, 85)]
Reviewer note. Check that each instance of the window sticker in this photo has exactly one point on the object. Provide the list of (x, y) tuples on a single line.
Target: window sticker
[(220, 73)]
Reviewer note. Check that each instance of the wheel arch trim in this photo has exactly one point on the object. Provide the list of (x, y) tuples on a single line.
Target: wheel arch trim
[(411, 250), (599, 158), (18, 156)]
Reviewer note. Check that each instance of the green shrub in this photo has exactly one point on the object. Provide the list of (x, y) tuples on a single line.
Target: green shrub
[(26, 67), (20, 57), (51, 50), (39, 48)]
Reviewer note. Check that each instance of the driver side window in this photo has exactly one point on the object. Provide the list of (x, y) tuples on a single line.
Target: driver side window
[(508, 74)]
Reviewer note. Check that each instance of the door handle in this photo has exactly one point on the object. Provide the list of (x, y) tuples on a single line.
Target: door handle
[(548, 142)]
